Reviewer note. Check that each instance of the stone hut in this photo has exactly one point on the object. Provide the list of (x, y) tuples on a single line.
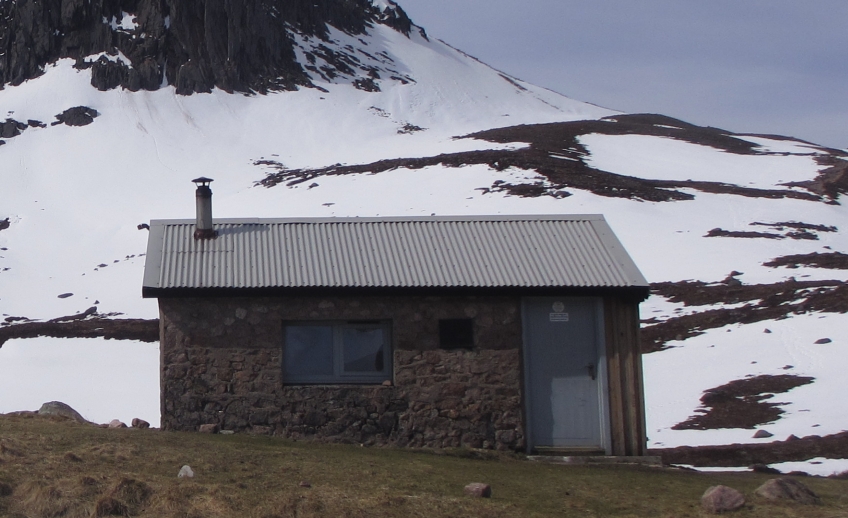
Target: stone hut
[(503, 332)]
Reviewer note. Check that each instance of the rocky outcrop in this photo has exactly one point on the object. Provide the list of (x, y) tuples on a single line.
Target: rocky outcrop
[(234, 45), (57, 408), (77, 116)]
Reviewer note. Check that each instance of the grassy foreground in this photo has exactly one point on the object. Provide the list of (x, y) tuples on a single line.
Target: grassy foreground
[(55, 468)]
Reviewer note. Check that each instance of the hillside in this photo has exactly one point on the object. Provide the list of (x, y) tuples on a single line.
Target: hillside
[(743, 236), (53, 467)]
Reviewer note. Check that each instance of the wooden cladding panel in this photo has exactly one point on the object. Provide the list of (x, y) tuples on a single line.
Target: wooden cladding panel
[(624, 364)]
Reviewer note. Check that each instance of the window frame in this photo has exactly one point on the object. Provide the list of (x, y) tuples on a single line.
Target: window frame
[(339, 376)]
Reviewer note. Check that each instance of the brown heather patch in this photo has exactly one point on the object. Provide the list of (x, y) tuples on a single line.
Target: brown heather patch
[(557, 155), (145, 330), (831, 260), (792, 449), (761, 302), (742, 403)]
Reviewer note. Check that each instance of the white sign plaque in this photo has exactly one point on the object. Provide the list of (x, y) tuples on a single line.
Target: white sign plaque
[(558, 314)]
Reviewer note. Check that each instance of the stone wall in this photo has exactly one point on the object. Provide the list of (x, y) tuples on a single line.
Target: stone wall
[(222, 363)]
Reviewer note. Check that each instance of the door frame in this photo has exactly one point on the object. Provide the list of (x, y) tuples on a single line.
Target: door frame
[(602, 373)]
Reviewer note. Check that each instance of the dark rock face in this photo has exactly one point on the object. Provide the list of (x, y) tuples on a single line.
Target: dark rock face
[(235, 45), (106, 74), (77, 116), (11, 128)]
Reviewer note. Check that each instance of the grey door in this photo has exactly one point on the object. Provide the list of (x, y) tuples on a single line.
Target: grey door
[(563, 373)]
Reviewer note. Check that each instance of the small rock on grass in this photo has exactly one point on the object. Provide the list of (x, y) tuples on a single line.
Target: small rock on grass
[(208, 428), (140, 423), (117, 423), (722, 499), (479, 490), (305, 483), (787, 489), (185, 472)]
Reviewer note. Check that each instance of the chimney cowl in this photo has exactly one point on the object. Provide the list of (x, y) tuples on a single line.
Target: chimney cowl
[(203, 194)]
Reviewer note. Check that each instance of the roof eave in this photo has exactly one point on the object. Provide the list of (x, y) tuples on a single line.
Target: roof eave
[(634, 293)]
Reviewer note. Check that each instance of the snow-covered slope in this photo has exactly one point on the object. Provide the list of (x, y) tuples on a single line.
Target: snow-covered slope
[(74, 196), (83, 190)]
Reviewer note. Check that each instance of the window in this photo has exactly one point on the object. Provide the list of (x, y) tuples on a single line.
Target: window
[(337, 352), (456, 333)]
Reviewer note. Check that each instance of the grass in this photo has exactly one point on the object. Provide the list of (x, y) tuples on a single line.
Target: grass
[(55, 468)]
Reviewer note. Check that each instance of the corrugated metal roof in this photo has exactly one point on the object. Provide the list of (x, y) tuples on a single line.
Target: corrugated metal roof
[(463, 251)]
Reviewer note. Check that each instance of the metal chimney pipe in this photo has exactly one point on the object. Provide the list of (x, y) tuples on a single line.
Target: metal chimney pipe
[(203, 194)]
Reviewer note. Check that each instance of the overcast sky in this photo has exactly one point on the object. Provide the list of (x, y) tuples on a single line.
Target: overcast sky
[(765, 66)]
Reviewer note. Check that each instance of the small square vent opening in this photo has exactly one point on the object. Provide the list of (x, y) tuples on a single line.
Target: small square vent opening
[(456, 333)]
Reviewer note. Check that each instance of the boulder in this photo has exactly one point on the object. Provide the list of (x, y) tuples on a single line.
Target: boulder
[(185, 472), (722, 499), (763, 434), (479, 489), (786, 488), (60, 409), (208, 428), (117, 423), (140, 423)]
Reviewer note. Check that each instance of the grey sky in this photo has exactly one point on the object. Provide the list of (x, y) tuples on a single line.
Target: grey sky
[(765, 66)]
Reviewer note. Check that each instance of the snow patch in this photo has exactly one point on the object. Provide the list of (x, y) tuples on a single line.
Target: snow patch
[(818, 466), (794, 147), (673, 388), (382, 5), (663, 158), (127, 23), (119, 58)]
